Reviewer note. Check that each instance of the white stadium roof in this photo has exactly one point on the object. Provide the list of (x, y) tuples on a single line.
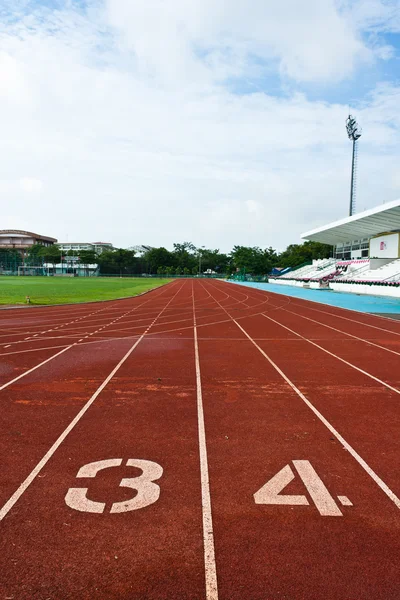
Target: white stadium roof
[(367, 224)]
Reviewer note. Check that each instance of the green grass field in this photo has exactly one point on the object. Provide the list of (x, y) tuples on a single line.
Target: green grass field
[(59, 290)]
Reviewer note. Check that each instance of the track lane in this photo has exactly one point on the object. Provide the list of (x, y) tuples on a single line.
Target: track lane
[(256, 425), (365, 409), (24, 365), (41, 402), (147, 411)]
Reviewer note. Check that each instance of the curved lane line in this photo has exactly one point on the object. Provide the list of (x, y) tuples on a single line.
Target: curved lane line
[(383, 486), (33, 474)]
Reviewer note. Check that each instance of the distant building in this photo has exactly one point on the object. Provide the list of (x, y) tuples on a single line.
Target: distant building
[(98, 247), (14, 239), (71, 267)]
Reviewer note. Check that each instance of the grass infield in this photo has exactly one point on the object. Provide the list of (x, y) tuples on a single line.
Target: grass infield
[(60, 290)]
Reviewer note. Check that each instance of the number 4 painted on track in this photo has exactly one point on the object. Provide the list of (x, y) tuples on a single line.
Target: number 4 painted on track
[(326, 505)]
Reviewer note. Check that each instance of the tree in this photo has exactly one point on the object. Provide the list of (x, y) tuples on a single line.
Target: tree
[(297, 254), (184, 255), (156, 257), (87, 257), (51, 254), (118, 260), (253, 259), (35, 255), (213, 260), (123, 259)]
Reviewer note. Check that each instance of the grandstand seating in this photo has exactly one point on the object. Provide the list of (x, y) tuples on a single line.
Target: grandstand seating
[(388, 272), (349, 269), (346, 276), (317, 270)]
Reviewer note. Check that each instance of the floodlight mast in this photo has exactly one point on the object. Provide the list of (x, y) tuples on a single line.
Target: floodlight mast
[(354, 132)]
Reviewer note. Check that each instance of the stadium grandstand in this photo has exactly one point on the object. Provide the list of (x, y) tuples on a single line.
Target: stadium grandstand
[(365, 257)]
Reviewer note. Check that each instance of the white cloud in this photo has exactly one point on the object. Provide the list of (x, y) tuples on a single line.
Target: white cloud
[(309, 41), (30, 185), (126, 116)]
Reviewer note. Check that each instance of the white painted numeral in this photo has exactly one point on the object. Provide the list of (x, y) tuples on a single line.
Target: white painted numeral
[(326, 505), (148, 492)]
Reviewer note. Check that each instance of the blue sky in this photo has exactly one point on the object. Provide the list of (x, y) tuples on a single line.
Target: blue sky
[(156, 121)]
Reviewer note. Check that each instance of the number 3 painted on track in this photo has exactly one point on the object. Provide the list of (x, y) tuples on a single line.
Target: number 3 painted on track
[(148, 492)]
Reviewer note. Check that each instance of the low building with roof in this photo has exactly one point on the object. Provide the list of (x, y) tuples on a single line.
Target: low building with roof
[(22, 241), (97, 247)]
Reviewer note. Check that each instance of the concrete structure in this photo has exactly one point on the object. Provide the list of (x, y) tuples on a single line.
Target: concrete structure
[(366, 255), (15, 239), (97, 247), (72, 269), (352, 237)]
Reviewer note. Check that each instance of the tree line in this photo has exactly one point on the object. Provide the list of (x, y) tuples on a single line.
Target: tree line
[(184, 258)]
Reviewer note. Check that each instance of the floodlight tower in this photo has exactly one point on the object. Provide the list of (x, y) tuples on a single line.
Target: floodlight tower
[(354, 132)]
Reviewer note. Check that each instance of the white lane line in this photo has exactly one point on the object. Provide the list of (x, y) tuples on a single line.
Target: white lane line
[(305, 305), (34, 368), (208, 534), (85, 316), (341, 331), (346, 362), (26, 483), (54, 356), (384, 487), (352, 320)]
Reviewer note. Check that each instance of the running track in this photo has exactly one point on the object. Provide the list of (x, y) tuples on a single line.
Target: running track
[(219, 388)]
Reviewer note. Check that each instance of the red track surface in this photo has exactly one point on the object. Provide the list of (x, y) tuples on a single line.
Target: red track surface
[(222, 386)]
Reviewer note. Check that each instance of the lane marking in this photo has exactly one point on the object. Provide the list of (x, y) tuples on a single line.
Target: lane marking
[(381, 484), (109, 308), (148, 492), (2, 387), (31, 477), (358, 312), (345, 501), (302, 303), (61, 352), (270, 493), (208, 534), (341, 331), (324, 502), (55, 328), (346, 362)]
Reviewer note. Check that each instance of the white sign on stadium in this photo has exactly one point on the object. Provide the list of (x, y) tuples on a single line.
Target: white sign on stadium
[(384, 246)]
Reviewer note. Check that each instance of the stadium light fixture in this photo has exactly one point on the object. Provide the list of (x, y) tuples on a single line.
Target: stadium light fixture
[(354, 132)]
